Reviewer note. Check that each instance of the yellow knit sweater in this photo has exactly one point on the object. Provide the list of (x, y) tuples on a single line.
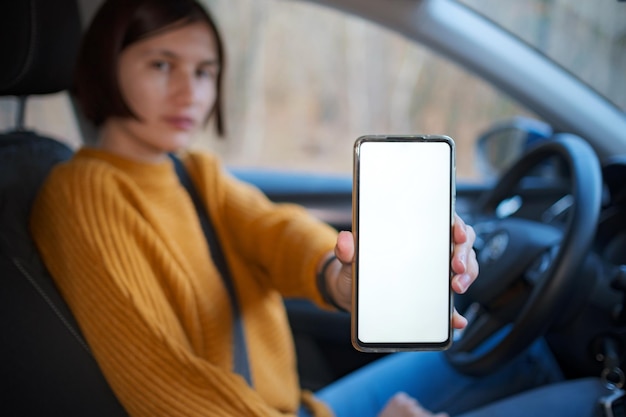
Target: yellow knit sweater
[(125, 247)]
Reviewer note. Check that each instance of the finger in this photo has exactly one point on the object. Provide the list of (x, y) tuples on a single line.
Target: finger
[(463, 252), (460, 257), (458, 321), (466, 267), (459, 230), (472, 265), (461, 282), (403, 397), (470, 234), (344, 250)]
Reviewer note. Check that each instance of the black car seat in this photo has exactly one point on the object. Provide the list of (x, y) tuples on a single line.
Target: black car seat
[(46, 368)]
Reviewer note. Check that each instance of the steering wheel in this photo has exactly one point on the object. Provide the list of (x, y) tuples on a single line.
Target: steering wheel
[(528, 268)]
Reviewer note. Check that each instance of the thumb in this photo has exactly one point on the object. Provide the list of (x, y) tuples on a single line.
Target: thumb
[(344, 250)]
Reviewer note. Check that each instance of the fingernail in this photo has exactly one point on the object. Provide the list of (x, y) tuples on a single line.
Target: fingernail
[(464, 282), (462, 258)]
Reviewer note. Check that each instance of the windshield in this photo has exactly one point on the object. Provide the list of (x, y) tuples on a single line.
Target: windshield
[(588, 38)]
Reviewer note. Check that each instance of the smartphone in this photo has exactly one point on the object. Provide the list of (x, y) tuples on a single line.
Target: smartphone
[(403, 213)]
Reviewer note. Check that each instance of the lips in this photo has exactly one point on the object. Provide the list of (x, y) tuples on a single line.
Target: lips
[(180, 122)]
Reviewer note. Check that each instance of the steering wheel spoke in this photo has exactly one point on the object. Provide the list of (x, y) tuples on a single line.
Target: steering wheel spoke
[(541, 266), (480, 327)]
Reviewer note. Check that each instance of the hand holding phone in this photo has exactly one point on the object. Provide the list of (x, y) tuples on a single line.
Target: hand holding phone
[(403, 212)]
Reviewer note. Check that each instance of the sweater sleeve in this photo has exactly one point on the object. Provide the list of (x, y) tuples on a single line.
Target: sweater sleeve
[(283, 240), (102, 254)]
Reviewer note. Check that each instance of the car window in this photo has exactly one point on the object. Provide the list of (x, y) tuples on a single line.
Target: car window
[(50, 115), (588, 38), (304, 82)]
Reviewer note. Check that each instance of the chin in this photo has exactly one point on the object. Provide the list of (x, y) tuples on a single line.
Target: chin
[(176, 144)]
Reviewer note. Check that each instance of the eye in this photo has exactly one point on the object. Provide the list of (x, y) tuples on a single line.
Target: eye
[(159, 65), (203, 73), (207, 71)]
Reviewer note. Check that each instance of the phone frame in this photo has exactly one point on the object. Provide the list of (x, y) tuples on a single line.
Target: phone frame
[(393, 346)]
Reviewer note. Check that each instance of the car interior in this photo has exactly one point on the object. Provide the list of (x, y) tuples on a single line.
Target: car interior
[(560, 273), (45, 351)]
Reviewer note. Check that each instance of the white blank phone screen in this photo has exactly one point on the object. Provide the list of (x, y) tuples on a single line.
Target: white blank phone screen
[(404, 223)]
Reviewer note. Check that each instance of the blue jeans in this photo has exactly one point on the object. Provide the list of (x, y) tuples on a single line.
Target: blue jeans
[(429, 378), (575, 398)]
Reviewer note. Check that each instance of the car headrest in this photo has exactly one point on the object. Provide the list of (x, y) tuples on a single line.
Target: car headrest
[(39, 60)]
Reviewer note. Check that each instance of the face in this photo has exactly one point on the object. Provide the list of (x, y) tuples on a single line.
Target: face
[(169, 81)]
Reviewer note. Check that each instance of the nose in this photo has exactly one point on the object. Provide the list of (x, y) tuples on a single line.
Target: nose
[(183, 88)]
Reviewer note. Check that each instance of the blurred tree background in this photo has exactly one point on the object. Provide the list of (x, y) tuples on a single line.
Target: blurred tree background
[(303, 81)]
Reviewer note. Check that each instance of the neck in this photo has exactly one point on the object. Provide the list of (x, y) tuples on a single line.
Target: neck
[(115, 139)]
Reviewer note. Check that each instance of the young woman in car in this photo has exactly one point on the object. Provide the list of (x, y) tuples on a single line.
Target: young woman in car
[(123, 241)]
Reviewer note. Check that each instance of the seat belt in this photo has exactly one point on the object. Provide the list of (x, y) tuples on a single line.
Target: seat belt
[(240, 353)]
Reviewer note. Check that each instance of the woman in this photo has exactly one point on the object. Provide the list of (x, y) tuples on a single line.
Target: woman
[(123, 241)]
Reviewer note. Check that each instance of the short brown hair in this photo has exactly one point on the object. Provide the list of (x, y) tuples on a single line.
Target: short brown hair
[(117, 24)]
